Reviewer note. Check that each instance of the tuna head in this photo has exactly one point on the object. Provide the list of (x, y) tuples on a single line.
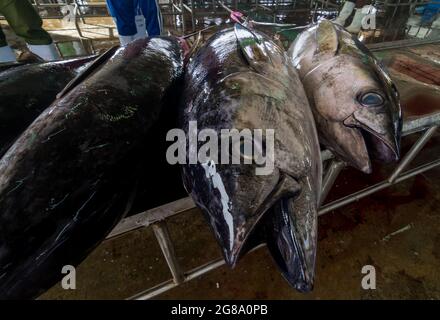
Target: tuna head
[(255, 95), (354, 101)]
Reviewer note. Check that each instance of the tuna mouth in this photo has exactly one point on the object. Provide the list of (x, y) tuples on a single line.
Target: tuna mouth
[(379, 148), (287, 187), (381, 145)]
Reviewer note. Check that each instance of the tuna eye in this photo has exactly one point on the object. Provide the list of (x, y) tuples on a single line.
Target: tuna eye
[(371, 99)]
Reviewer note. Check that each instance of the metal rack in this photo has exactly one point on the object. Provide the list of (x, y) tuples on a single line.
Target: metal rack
[(157, 217)]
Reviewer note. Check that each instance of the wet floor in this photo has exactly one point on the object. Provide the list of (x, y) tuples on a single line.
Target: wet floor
[(407, 262)]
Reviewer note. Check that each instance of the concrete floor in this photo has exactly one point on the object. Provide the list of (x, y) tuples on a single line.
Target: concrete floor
[(407, 264)]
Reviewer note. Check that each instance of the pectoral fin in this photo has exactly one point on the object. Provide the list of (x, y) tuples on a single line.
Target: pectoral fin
[(291, 238), (256, 50)]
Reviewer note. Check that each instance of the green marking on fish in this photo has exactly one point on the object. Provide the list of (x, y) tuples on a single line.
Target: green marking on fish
[(33, 137), (19, 183), (249, 42), (127, 113), (76, 106), (97, 147), (235, 86)]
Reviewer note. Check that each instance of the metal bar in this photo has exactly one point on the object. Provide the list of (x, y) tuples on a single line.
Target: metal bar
[(199, 271), (420, 123), (177, 8), (193, 18), (412, 153), (389, 21), (149, 217), (399, 44), (163, 237), (146, 218), (377, 187), (182, 12), (332, 173), (274, 24), (78, 28), (79, 11), (187, 8), (191, 275)]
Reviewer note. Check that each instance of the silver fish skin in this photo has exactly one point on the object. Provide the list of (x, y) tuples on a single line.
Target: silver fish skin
[(239, 79), (354, 101)]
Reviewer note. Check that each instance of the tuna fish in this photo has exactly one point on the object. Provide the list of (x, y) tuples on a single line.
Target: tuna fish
[(354, 102), (242, 80), (10, 65), (25, 91), (69, 177)]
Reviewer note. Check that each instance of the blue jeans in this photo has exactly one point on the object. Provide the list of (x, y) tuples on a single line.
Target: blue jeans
[(124, 12)]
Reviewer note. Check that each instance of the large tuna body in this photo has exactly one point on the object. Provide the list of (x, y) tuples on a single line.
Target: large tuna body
[(67, 180), (25, 91), (355, 104), (241, 80)]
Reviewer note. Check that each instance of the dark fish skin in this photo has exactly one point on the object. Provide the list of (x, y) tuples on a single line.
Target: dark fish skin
[(25, 58), (168, 186), (241, 79), (9, 65), (26, 90), (66, 181)]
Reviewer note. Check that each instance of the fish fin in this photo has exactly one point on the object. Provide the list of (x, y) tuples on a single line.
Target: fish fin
[(252, 46), (87, 71), (186, 180), (291, 233), (327, 38)]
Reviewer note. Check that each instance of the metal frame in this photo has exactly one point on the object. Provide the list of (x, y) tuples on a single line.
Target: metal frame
[(157, 217), (186, 13)]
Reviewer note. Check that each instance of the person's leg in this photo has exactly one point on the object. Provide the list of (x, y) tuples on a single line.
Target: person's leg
[(2, 38), (140, 22), (123, 12), (435, 29), (6, 53), (345, 12), (153, 16), (27, 24)]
